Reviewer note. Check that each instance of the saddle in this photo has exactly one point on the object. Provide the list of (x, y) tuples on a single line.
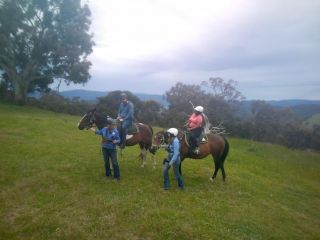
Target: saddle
[(133, 129), (203, 138)]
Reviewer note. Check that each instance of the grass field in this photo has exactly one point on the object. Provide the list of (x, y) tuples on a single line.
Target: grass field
[(52, 187)]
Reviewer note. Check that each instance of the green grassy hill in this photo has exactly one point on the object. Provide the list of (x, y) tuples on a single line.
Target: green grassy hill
[(315, 119), (52, 187)]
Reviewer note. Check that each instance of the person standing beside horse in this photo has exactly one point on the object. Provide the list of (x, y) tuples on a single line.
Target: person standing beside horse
[(110, 139), (125, 116), (173, 159), (195, 127)]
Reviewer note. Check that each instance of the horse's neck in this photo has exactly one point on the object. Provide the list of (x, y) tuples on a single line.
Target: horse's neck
[(101, 121)]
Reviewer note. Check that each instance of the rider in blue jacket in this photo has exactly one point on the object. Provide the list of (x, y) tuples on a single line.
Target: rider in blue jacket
[(125, 116)]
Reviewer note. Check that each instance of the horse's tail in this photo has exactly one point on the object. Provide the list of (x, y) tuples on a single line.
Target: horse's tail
[(225, 150)]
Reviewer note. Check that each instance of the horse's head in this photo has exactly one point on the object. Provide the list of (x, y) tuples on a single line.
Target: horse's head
[(87, 120), (157, 141), (158, 138)]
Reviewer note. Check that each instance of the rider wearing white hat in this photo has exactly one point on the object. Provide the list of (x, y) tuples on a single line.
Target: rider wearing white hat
[(195, 127), (199, 109)]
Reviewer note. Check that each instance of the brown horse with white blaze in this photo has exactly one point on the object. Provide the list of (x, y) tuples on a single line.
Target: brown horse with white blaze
[(143, 136)]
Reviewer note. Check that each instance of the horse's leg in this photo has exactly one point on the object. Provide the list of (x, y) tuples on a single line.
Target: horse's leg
[(143, 157), (180, 171), (216, 167), (223, 158), (154, 161), (120, 154), (223, 172)]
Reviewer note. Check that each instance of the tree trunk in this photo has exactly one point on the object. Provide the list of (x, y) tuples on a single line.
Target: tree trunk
[(20, 94), (22, 82), (20, 90)]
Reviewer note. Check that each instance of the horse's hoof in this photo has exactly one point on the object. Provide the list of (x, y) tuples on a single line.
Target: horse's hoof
[(211, 179)]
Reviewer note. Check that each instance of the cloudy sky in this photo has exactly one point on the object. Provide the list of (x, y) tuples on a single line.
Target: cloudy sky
[(270, 47)]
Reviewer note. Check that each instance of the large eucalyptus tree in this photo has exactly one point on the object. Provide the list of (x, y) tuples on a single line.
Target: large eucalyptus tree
[(42, 41)]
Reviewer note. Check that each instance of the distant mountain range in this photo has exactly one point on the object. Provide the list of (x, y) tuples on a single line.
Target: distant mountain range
[(304, 108), (93, 95)]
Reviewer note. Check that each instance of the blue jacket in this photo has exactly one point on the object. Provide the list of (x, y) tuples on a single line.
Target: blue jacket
[(108, 137), (174, 151), (126, 111)]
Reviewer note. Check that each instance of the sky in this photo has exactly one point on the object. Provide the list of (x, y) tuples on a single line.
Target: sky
[(271, 48)]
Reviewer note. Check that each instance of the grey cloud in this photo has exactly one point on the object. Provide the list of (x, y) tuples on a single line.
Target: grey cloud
[(276, 46)]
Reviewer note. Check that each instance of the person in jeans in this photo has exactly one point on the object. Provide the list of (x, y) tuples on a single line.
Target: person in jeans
[(110, 139), (173, 159)]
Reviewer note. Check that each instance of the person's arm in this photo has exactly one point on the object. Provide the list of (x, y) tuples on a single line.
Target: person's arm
[(99, 132), (190, 122), (119, 111), (176, 152), (116, 138), (197, 122), (129, 114)]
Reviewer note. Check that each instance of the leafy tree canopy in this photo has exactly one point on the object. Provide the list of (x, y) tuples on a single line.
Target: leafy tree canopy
[(226, 90), (43, 41)]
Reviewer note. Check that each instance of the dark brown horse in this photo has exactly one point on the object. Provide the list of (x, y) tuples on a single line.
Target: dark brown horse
[(143, 136), (215, 144)]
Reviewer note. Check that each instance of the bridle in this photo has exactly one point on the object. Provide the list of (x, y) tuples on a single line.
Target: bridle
[(160, 141), (92, 119)]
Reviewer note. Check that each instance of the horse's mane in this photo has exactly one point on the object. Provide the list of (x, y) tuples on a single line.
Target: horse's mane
[(206, 124)]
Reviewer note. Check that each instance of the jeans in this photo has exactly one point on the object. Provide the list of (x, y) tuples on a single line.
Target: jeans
[(166, 181), (107, 154), (124, 129), (194, 137)]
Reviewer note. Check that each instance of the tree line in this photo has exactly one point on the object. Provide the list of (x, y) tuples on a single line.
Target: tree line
[(222, 104)]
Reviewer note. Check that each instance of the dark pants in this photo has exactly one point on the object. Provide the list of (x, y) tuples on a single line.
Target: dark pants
[(107, 154), (194, 137)]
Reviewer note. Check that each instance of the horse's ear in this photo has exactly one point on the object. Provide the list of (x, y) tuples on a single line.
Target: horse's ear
[(92, 110)]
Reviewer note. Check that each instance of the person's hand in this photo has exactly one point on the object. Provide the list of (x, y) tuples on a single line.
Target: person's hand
[(170, 163), (114, 141)]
